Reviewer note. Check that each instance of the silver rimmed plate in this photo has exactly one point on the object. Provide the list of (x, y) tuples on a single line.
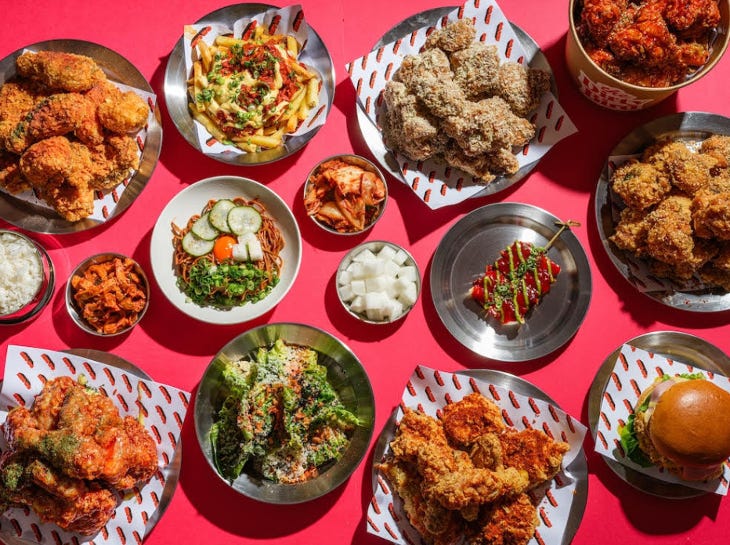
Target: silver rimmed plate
[(189, 202), (688, 126), (118, 69), (577, 470), (172, 469), (372, 135), (315, 54), (476, 240), (673, 344)]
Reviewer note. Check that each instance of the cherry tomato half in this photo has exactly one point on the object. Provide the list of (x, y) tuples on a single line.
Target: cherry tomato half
[(223, 248)]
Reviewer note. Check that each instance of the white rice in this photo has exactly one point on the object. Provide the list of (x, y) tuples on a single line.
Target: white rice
[(21, 272)]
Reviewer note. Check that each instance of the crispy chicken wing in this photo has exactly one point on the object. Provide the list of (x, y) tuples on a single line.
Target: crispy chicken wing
[(123, 112), (59, 70), (533, 452), (640, 185), (511, 521), (113, 161), (470, 418), (455, 36)]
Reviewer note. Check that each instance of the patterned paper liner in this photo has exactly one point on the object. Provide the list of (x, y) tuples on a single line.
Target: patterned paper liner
[(437, 184), (162, 407), (610, 96), (105, 201), (638, 269), (289, 21), (429, 390), (634, 371)]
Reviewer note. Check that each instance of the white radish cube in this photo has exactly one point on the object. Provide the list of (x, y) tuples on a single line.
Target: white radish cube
[(372, 268), (390, 268), (375, 303), (394, 309), (239, 252), (400, 257), (358, 287), (376, 283), (346, 292), (344, 278), (408, 272), (387, 252), (409, 295), (364, 255), (358, 304), (355, 269)]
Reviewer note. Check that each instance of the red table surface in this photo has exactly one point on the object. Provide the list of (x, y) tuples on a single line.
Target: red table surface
[(175, 349)]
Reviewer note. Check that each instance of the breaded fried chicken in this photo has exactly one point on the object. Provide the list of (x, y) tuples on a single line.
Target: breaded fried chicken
[(630, 232), (669, 233), (717, 145), (521, 87), (533, 452), (473, 416), (711, 215), (475, 69), (640, 185), (123, 112), (59, 70), (112, 161), (11, 180), (453, 37), (512, 521)]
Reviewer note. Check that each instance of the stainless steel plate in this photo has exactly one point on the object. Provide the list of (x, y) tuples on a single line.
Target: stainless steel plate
[(174, 467), (476, 240), (577, 470), (44, 220), (692, 126), (344, 372), (682, 347), (176, 88), (372, 135)]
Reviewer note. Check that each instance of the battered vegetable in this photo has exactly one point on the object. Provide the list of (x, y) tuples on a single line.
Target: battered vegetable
[(280, 416)]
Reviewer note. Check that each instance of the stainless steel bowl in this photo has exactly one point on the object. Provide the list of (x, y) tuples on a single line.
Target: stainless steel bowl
[(75, 312), (374, 246), (35, 304), (344, 372), (363, 163)]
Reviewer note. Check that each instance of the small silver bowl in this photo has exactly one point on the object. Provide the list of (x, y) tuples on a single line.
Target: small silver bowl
[(39, 294), (344, 372), (378, 282), (373, 212), (74, 309)]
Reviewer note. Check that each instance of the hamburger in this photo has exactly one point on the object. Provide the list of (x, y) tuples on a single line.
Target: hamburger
[(680, 423)]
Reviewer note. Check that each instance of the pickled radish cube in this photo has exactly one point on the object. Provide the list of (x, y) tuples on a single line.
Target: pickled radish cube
[(377, 283), (394, 309), (364, 255), (358, 287), (409, 294), (355, 269), (387, 252), (375, 305), (358, 304), (391, 268), (346, 292), (239, 252), (372, 268), (408, 272), (344, 278), (400, 257)]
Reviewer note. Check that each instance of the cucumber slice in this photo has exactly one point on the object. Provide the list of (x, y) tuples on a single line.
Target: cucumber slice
[(244, 219), (202, 228), (218, 216), (196, 246)]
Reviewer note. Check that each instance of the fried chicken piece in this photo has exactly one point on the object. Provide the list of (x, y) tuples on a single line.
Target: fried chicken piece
[(512, 521), (436, 524), (702, 252), (89, 439), (640, 185), (123, 112), (695, 173), (691, 19), (112, 161), (521, 87), (17, 99), (466, 420), (408, 127), (60, 71), (475, 69), (642, 38), (669, 235), (717, 271), (454, 36), (59, 170), (534, 452), (717, 145), (479, 167), (11, 180), (598, 18), (510, 130), (630, 231), (711, 215), (72, 504), (429, 63)]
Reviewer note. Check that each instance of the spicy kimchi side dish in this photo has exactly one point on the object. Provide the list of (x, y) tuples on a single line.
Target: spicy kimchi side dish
[(229, 255), (252, 91), (71, 456), (280, 418), (650, 43)]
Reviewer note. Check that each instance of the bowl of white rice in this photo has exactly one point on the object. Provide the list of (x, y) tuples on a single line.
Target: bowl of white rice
[(26, 277), (378, 282)]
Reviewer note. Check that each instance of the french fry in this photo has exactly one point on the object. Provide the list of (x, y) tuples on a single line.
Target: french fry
[(312, 92), (206, 56), (292, 46)]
